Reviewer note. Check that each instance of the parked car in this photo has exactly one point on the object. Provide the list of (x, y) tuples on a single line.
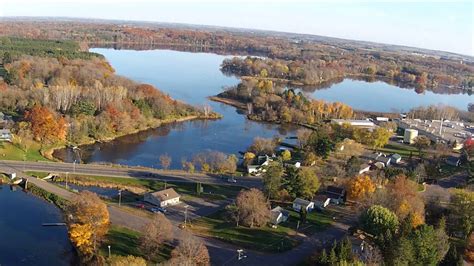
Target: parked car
[(157, 210), (140, 205), (231, 180)]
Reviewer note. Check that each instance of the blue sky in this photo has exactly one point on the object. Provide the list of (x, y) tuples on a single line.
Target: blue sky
[(447, 26)]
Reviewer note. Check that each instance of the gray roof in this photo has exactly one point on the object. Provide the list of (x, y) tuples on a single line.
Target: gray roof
[(165, 194), (384, 160), (396, 156), (302, 202)]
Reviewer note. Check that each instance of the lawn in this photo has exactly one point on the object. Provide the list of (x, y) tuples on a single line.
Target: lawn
[(9, 151), (401, 149), (124, 241), (263, 239), (211, 192)]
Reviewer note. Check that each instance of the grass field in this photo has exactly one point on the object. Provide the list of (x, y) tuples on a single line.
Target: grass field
[(401, 149), (211, 192), (9, 151), (265, 238), (124, 241)]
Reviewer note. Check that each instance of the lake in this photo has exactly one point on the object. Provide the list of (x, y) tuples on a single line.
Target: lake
[(192, 77), (379, 96), (23, 239)]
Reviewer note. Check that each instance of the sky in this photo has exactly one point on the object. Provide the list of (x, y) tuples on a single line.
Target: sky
[(437, 25)]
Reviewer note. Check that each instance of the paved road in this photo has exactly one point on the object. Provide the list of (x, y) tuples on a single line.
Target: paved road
[(127, 172)]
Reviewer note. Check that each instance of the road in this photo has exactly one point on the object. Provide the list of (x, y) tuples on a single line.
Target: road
[(127, 172), (221, 253)]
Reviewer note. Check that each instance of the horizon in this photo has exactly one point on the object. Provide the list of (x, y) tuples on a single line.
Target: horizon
[(445, 27)]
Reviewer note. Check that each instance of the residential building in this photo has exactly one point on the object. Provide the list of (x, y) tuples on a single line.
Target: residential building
[(410, 135), (279, 215), (396, 158), (5, 135), (163, 198), (364, 168), (453, 161), (299, 203), (338, 195), (321, 201)]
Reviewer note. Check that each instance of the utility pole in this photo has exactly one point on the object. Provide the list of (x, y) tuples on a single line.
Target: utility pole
[(120, 197), (109, 251), (185, 215), (74, 166)]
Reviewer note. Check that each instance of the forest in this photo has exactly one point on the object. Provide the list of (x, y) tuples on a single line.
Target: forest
[(267, 101), (75, 97), (303, 59)]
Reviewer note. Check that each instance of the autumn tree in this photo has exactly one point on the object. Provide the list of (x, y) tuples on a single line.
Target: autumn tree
[(262, 146), (380, 137), (422, 143), (88, 222), (272, 179), (190, 251), (253, 207), (126, 261), (309, 183), (45, 126), (360, 187), (155, 233), (165, 161), (286, 155)]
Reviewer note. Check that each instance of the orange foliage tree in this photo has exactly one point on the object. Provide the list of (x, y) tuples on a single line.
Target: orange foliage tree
[(405, 199), (360, 187), (45, 126)]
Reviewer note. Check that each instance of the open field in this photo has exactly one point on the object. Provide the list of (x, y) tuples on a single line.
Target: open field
[(9, 151), (126, 242), (265, 238)]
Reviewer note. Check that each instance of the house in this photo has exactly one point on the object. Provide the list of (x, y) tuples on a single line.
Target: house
[(338, 195), (163, 198), (384, 160), (379, 165), (298, 204), (321, 201), (279, 215), (354, 123), (396, 158), (5, 135), (453, 161), (364, 168), (262, 161)]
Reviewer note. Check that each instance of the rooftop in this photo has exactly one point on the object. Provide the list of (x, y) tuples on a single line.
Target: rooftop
[(165, 194)]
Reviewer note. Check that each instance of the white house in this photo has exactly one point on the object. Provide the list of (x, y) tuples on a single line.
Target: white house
[(163, 198), (5, 135), (302, 203), (396, 158), (364, 168), (279, 215), (321, 201), (262, 161)]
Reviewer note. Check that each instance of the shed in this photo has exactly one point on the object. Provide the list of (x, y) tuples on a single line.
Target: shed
[(163, 198), (453, 161), (279, 215), (299, 203), (396, 158), (321, 201)]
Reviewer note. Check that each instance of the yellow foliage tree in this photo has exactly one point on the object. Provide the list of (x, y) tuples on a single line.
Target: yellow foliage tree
[(81, 237), (417, 220), (88, 222), (360, 187), (286, 155)]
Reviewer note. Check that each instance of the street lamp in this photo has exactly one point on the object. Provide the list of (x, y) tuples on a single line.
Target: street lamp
[(185, 215), (74, 166), (67, 173), (109, 250), (120, 197)]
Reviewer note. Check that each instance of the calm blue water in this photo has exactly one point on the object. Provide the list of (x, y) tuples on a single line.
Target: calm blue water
[(383, 97), (190, 77), (23, 240)]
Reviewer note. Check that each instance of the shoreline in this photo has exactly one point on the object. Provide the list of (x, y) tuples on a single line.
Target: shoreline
[(48, 154)]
